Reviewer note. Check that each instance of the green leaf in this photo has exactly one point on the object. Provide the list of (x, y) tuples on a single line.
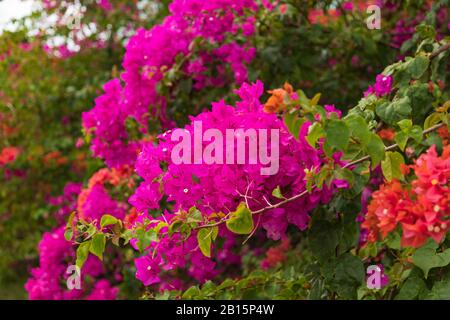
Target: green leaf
[(408, 131), (227, 283), (440, 290), (82, 253), (107, 220), (375, 149), (175, 227), (323, 238), (145, 238), (277, 193), (358, 128), (241, 220), (349, 276), (426, 31), (417, 66), (319, 179), (393, 112), (349, 235), (127, 235), (337, 134), (68, 233), (191, 293), (315, 132), (205, 237), (97, 246), (293, 123), (426, 257), (421, 101), (401, 138), (411, 289), (315, 100), (405, 125), (416, 133), (393, 241), (345, 174), (432, 120), (391, 165), (91, 230), (194, 216), (208, 288)]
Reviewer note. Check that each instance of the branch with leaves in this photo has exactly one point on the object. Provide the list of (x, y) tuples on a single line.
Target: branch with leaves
[(304, 193)]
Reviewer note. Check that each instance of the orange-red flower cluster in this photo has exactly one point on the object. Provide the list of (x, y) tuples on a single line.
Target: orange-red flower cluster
[(325, 17), (278, 99), (422, 211), (54, 158), (113, 177), (276, 254), (6, 128), (387, 134), (8, 155), (444, 134)]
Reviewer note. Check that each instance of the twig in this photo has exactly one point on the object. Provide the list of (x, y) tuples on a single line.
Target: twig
[(392, 147), (305, 192), (440, 50)]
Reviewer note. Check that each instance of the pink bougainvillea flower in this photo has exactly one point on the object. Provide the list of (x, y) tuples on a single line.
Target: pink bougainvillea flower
[(382, 86)]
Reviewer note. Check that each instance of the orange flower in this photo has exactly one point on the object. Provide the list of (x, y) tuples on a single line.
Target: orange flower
[(405, 169), (100, 177), (444, 134), (276, 254), (130, 218), (318, 16), (62, 160), (82, 197), (113, 176), (387, 134), (278, 98)]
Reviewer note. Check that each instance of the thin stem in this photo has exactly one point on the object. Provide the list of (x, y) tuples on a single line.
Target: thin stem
[(440, 50), (305, 192)]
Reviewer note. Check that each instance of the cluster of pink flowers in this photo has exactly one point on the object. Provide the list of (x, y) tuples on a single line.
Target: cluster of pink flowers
[(405, 27), (105, 5), (108, 119), (56, 254), (48, 281), (215, 188), (382, 86), (150, 54), (66, 202), (167, 258), (62, 51), (49, 4)]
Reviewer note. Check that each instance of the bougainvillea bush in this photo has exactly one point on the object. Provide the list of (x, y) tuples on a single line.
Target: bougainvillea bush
[(227, 149)]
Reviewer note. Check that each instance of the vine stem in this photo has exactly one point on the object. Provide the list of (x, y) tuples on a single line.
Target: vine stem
[(393, 146), (440, 50), (305, 192)]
